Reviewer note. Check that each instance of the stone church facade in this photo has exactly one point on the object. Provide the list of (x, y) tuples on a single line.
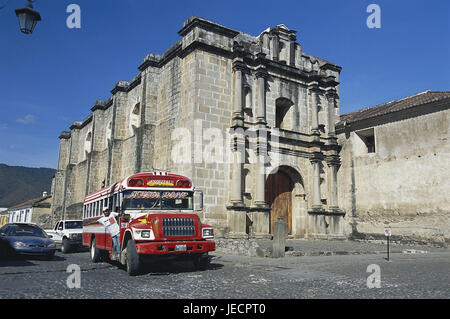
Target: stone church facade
[(250, 119)]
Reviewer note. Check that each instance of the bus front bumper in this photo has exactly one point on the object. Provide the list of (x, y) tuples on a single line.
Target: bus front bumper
[(175, 247)]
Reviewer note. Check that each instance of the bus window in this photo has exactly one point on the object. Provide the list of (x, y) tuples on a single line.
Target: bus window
[(115, 203)]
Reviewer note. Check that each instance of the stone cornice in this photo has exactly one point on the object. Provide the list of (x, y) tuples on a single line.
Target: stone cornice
[(261, 72), (333, 160), (102, 104), (75, 125), (316, 157), (121, 86), (238, 65), (331, 66), (195, 21), (64, 135), (158, 61)]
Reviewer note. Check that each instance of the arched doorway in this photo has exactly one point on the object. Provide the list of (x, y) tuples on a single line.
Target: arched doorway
[(278, 196)]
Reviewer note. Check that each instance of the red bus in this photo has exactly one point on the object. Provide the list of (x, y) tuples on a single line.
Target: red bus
[(156, 218)]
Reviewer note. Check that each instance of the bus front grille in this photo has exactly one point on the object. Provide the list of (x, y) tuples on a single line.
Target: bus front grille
[(173, 227)]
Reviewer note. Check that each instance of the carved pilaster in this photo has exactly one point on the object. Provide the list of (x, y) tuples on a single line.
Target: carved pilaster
[(261, 75), (316, 159), (238, 118), (333, 163), (331, 96), (314, 89)]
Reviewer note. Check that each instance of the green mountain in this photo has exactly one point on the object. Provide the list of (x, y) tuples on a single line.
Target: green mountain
[(19, 184)]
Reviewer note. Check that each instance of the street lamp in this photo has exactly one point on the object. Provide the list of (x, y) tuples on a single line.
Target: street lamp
[(28, 17)]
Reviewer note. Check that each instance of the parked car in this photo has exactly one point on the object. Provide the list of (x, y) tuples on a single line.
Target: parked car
[(67, 235), (25, 239)]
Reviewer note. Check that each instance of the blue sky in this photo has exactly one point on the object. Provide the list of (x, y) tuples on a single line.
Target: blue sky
[(51, 78)]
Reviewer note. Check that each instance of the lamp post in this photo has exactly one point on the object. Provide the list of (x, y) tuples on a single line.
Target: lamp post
[(28, 17)]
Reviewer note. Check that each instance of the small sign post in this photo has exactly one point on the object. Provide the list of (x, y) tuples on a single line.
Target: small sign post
[(387, 233)]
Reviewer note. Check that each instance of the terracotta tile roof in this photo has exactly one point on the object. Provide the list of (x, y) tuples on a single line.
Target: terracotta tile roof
[(31, 202), (394, 106)]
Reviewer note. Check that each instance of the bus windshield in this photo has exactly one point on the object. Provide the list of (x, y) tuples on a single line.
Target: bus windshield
[(158, 200)]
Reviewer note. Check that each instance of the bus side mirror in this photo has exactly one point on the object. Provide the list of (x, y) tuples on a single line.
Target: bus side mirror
[(198, 200)]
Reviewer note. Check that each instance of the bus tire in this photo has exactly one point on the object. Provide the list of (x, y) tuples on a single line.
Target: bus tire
[(133, 261), (201, 262), (95, 252)]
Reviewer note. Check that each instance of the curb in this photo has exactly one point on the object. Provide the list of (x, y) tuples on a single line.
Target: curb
[(252, 248), (336, 253)]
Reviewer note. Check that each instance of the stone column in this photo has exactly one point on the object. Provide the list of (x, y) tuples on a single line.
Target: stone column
[(275, 47), (316, 198), (315, 112), (237, 142), (261, 75), (331, 96), (238, 103), (237, 106), (333, 163), (236, 179), (265, 42), (260, 212), (237, 216), (292, 46), (334, 193), (260, 172)]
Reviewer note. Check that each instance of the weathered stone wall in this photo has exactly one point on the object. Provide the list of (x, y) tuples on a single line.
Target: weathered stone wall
[(168, 114), (403, 184), (211, 119)]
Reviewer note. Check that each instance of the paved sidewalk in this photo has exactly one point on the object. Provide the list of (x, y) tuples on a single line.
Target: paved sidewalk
[(297, 247)]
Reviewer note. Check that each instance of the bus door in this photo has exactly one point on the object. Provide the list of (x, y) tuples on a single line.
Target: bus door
[(113, 207)]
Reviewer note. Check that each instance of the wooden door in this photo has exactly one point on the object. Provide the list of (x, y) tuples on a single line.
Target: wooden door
[(279, 197)]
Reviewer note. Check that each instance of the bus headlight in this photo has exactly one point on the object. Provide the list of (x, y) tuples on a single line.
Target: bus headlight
[(208, 232), (145, 234)]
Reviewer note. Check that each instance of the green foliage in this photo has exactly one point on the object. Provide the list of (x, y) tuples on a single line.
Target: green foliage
[(19, 184)]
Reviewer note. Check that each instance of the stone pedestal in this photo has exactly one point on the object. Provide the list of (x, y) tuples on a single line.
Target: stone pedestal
[(237, 221), (260, 221), (326, 224)]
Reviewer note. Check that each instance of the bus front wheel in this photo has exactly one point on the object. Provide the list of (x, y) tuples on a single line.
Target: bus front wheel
[(201, 262), (133, 260)]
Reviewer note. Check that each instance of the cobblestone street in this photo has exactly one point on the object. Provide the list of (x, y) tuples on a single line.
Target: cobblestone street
[(233, 277)]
